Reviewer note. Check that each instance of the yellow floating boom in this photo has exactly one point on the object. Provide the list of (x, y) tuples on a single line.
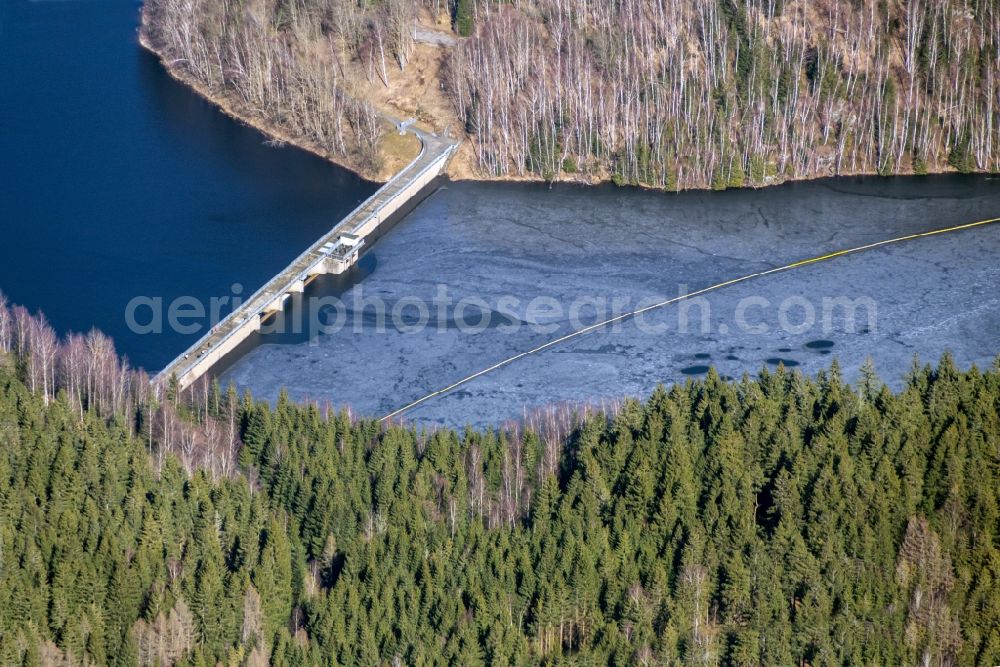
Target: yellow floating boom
[(661, 304)]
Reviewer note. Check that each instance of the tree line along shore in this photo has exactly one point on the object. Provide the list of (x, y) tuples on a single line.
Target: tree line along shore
[(776, 520), (668, 94)]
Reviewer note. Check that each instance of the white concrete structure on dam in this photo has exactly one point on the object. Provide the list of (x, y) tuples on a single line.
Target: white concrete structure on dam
[(334, 252)]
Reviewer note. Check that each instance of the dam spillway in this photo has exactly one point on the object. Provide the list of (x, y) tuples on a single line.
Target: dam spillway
[(332, 253)]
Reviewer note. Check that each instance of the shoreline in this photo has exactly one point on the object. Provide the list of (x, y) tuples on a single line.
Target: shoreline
[(270, 132), (277, 134)]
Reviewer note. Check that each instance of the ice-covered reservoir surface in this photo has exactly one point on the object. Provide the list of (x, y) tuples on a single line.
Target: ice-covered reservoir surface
[(569, 243)]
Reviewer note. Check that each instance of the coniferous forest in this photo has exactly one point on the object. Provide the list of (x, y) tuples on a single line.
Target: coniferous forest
[(780, 520)]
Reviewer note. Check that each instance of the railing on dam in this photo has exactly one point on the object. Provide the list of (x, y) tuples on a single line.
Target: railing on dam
[(270, 298)]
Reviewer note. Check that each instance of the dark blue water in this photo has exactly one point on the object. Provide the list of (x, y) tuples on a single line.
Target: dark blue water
[(119, 182)]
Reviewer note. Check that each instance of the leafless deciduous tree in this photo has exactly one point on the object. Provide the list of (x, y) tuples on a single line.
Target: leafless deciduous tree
[(201, 428), (168, 638), (281, 62), (680, 93)]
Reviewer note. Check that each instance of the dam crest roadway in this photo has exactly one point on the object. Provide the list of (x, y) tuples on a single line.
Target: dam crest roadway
[(332, 253)]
